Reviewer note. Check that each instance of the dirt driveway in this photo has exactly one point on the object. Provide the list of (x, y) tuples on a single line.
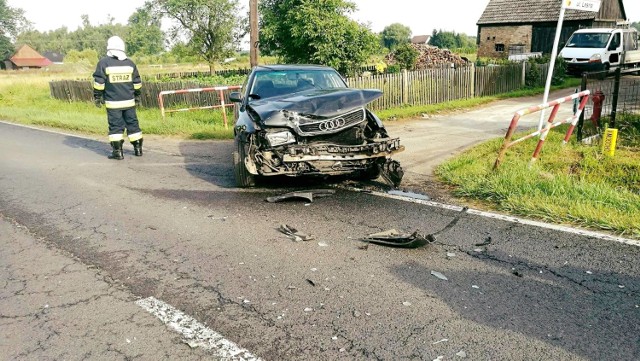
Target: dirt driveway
[(430, 141)]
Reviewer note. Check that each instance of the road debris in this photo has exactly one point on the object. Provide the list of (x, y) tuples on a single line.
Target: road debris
[(311, 282), (443, 340), (461, 354), (306, 195), (294, 234), (487, 241), (439, 275), (393, 238)]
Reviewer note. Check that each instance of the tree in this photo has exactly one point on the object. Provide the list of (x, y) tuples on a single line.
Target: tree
[(145, 35), (394, 35), (315, 32), (12, 22), (636, 24), (211, 29), (444, 39)]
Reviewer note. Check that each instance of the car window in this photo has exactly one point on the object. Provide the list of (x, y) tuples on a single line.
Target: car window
[(267, 84), (588, 40)]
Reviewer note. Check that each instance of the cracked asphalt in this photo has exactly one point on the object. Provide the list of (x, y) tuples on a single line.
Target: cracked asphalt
[(85, 237)]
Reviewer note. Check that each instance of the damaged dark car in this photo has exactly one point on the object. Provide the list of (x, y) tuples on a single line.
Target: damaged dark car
[(299, 120)]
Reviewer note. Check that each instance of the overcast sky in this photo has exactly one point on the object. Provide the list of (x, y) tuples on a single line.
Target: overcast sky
[(421, 16)]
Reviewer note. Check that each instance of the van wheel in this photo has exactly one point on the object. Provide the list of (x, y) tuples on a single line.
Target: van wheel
[(243, 178)]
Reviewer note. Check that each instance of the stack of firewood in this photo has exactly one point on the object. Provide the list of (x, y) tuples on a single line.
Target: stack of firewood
[(433, 57)]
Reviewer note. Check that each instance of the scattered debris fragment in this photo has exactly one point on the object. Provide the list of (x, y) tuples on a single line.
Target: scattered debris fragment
[(307, 195), (311, 282), (364, 247), (439, 275), (487, 241), (443, 340), (475, 286), (450, 254), (356, 314), (461, 354), (294, 234), (323, 244), (516, 273), (439, 358), (406, 303), (308, 309), (393, 238)]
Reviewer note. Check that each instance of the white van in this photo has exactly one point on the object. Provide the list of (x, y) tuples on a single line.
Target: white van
[(601, 49)]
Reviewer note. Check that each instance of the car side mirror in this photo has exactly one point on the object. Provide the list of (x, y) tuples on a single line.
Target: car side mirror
[(235, 97)]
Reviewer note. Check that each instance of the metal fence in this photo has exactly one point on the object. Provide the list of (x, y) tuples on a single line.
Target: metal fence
[(619, 94), (425, 87)]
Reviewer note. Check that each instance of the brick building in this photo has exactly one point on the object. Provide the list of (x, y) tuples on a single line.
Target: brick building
[(509, 27)]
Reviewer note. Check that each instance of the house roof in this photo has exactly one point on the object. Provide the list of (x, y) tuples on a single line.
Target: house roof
[(420, 39), (27, 57), (536, 11)]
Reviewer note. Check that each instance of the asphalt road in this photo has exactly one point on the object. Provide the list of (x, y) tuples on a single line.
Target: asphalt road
[(90, 245)]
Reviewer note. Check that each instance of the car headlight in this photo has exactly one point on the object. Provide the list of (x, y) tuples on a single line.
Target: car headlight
[(595, 58), (280, 138)]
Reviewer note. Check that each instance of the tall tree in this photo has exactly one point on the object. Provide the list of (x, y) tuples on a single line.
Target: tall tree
[(394, 35), (12, 22), (444, 39), (145, 33), (636, 24), (317, 32), (212, 29)]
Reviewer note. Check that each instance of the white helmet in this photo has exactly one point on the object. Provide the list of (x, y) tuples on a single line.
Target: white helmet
[(115, 43)]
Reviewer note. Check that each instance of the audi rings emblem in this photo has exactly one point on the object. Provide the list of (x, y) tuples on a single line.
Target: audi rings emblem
[(333, 124)]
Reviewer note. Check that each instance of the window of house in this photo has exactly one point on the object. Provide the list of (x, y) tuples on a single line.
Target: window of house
[(500, 47)]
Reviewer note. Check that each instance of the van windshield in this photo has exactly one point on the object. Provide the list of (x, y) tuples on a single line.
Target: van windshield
[(588, 40)]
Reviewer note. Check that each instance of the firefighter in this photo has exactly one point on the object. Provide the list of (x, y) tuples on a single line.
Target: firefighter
[(117, 85)]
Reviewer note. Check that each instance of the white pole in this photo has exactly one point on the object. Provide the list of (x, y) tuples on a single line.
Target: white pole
[(552, 63)]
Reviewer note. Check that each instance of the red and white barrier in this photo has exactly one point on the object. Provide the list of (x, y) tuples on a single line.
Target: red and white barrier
[(550, 124), (219, 89)]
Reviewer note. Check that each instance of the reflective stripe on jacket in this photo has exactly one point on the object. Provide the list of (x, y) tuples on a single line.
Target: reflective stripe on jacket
[(117, 81)]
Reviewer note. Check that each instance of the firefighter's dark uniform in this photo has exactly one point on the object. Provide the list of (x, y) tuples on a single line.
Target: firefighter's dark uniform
[(117, 83)]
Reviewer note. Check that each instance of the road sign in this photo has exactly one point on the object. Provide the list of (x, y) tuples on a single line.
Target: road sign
[(584, 5)]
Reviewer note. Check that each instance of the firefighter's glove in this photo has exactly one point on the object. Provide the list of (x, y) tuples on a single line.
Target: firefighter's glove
[(98, 102), (137, 100)]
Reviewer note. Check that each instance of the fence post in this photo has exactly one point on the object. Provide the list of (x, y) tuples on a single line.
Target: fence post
[(614, 100), (524, 74), (405, 86), (583, 87)]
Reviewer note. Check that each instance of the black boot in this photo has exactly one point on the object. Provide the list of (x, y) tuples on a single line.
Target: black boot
[(116, 152), (137, 147)]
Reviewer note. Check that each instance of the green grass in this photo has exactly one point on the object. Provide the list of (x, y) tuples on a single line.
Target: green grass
[(573, 184), (27, 101)]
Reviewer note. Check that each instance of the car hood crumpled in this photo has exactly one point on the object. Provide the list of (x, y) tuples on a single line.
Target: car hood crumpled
[(314, 103)]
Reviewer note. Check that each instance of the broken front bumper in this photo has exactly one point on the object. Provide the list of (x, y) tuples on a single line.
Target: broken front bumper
[(332, 152)]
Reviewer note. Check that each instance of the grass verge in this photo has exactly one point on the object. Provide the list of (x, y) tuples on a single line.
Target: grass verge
[(26, 100), (573, 184)]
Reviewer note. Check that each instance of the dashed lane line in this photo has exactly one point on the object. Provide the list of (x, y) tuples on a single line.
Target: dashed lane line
[(195, 334)]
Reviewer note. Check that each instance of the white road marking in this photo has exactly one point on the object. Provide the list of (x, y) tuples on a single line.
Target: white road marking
[(571, 230), (195, 334)]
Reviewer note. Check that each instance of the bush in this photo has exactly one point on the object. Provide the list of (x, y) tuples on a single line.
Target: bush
[(406, 56)]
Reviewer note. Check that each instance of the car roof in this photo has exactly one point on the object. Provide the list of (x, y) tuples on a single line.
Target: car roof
[(281, 67)]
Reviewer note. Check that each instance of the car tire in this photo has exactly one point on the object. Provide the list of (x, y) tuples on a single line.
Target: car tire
[(244, 179)]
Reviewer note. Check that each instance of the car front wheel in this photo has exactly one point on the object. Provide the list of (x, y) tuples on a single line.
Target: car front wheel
[(244, 179)]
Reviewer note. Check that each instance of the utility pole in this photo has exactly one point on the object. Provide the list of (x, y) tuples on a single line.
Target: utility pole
[(253, 36)]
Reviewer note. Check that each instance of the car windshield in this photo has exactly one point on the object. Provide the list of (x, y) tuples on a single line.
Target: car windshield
[(267, 84), (588, 40)]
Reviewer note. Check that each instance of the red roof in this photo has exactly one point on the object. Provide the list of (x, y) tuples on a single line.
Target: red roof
[(27, 57)]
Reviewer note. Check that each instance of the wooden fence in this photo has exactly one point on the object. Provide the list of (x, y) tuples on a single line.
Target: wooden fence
[(423, 87)]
